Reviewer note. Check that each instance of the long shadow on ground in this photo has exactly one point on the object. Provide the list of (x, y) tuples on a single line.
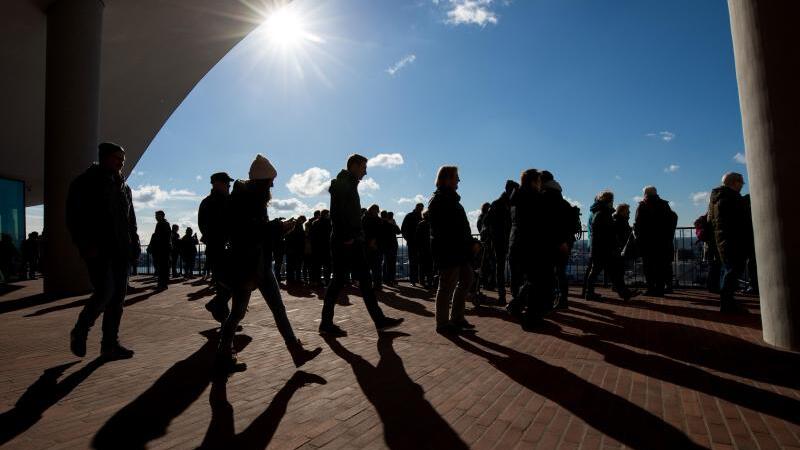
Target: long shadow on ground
[(409, 420)]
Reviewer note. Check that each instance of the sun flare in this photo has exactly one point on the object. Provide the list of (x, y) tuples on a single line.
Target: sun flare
[(285, 29)]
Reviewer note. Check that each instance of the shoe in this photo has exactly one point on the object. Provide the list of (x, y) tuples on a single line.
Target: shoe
[(77, 342), (300, 355), (629, 294), (115, 351), (593, 296), (218, 312), (331, 330), (388, 322), (513, 309), (464, 325), (447, 329), (226, 364)]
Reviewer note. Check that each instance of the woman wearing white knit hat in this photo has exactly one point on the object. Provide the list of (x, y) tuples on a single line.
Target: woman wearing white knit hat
[(250, 268)]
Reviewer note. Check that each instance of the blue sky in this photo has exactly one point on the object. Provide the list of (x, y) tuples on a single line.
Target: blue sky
[(606, 95)]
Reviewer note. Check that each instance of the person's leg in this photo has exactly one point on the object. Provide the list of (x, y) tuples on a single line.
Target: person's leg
[(543, 277), (413, 262), (241, 297), (500, 273), (268, 286), (361, 271), (729, 282), (448, 278), (598, 265), (563, 284), (465, 275), (101, 277), (340, 269), (113, 310)]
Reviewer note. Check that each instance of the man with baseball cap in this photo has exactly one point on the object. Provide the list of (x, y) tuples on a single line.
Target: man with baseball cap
[(212, 220)]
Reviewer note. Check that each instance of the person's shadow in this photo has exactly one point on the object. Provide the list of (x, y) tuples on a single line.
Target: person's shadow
[(409, 420), (614, 416), (403, 304), (149, 415), (41, 395), (221, 433)]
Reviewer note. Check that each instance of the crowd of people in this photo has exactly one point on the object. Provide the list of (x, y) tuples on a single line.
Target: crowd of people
[(530, 227)]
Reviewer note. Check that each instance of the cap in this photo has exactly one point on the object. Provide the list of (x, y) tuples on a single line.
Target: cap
[(221, 176)]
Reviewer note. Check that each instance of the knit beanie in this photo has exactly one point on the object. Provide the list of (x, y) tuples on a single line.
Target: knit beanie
[(262, 169)]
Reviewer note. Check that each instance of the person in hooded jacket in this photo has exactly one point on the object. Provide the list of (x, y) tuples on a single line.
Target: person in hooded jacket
[(251, 234), (102, 223), (563, 227), (605, 248), (348, 249), (654, 229), (727, 214), (499, 224), (453, 248)]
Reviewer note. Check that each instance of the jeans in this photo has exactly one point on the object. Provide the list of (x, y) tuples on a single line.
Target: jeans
[(390, 266), (347, 258), (109, 278), (268, 285), (729, 280), (454, 284)]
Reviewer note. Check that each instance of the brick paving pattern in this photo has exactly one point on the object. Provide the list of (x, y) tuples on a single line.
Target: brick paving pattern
[(655, 373)]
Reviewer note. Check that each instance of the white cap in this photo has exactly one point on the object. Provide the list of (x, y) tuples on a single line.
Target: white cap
[(262, 169)]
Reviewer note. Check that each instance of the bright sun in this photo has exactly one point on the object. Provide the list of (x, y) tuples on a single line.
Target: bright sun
[(286, 30)]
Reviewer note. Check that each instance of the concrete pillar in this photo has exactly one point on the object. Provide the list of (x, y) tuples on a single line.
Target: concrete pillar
[(72, 87), (765, 44)]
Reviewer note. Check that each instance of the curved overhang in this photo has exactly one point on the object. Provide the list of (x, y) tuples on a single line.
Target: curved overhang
[(153, 54)]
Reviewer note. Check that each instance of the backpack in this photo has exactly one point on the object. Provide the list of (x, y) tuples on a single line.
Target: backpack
[(702, 229)]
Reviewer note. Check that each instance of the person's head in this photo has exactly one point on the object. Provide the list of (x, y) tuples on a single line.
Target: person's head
[(485, 207), (357, 165), (733, 180), (300, 220), (325, 213), (511, 186), (111, 157), (605, 196), (160, 216), (384, 214), (373, 210), (547, 176), (189, 231), (624, 210), (531, 179), (317, 213), (447, 177), (262, 175), (419, 207), (425, 214), (221, 182), (175, 227), (649, 191), (390, 215), (33, 235)]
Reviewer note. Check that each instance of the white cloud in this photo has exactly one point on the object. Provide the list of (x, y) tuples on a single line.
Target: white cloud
[(740, 158), (665, 136), (310, 183), (404, 61), (672, 168), (638, 198), (198, 178), (388, 160), (471, 12), (699, 198), (472, 216), (419, 198), (368, 185), (152, 195), (574, 202), (293, 207)]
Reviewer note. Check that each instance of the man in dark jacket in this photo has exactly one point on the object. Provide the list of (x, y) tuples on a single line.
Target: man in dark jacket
[(605, 248), (348, 248), (295, 249), (655, 238), (453, 247), (102, 223), (175, 252), (727, 214), (391, 230), (408, 230), (212, 217), (499, 222), (320, 238), (162, 247), (423, 239), (563, 222), (250, 238)]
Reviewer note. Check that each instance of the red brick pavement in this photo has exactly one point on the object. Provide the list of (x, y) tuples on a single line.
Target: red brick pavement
[(655, 373)]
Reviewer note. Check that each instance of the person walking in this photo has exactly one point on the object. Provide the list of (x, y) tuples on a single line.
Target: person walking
[(727, 214), (409, 230), (453, 247), (655, 237), (212, 219), (188, 252), (565, 222), (605, 248), (250, 238), (175, 253), (499, 222), (348, 249), (102, 223)]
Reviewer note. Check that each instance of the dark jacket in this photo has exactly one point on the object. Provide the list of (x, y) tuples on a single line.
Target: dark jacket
[(100, 213), (175, 242), (422, 237), (188, 247), (727, 214), (560, 222), (161, 242), (622, 231), (212, 218), (373, 231), (451, 235), (320, 236), (603, 240), (499, 222), (389, 234), (654, 227), (345, 208), (409, 227)]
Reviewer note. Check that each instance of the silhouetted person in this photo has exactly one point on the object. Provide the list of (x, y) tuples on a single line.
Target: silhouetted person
[(188, 252), (655, 237), (279, 252), (605, 248), (487, 267), (408, 230), (295, 249), (175, 253), (320, 238), (704, 232), (727, 214), (348, 248), (500, 228), (102, 223), (31, 254), (453, 247), (389, 248), (212, 218), (9, 258), (251, 236), (161, 245), (564, 222), (373, 235), (423, 240)]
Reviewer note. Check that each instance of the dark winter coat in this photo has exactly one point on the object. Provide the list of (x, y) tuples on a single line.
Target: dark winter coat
[(603, 240), (534, 233), (321, 236), (655, 227), (345, 208), (212, 218), (499, 222), (560, 223), (100, 213), (409, 227), (389, 233), (373, 231), (422, 237), (622, 231), (727, 214), (451, 235), (188, 247)]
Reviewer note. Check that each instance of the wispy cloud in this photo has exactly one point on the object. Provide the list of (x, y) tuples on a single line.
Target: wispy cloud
[(665, 136), (404, 61), (293, 207), (740, 158), (198, 178), (368, 185), (471, 12), (310, 183), (152, 195), (419, 198), (699, 198), (672, 168), (388, 160)]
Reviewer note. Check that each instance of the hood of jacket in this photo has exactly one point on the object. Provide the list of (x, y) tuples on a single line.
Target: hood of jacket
[(552, 185), (600, 205)]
